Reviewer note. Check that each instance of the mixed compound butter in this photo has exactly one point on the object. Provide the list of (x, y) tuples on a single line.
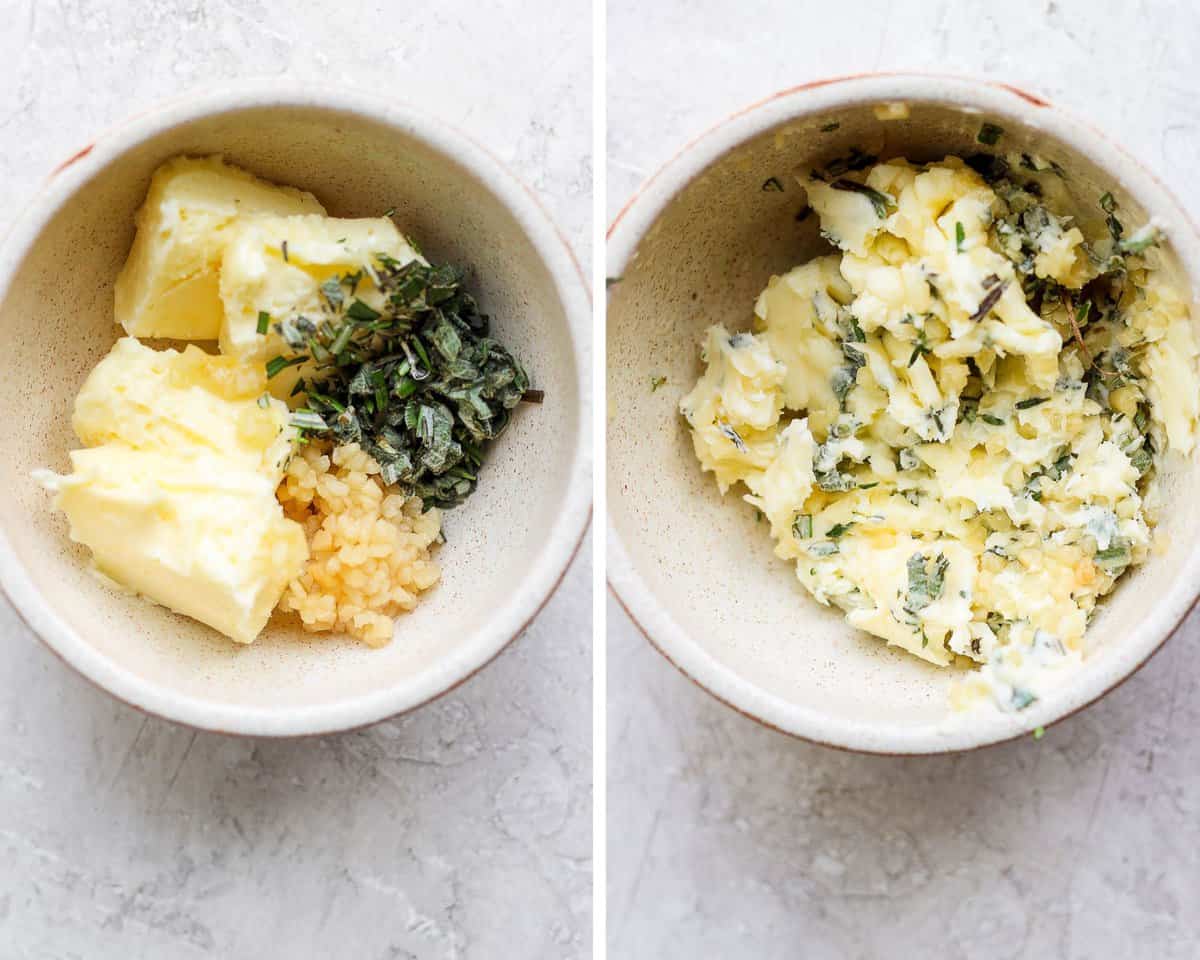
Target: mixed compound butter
[(952, 424)]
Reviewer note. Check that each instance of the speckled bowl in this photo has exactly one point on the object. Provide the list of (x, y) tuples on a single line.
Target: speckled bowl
[(694, 247), (507, 547)]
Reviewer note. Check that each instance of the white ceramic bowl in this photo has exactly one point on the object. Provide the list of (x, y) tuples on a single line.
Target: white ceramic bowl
[(507, 547), (694, 247)]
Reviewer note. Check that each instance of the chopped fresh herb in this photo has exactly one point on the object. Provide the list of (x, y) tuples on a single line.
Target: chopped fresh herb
[(1141, 241), (419, 382), (264, 401), (656, 382), (1031, 402), (833, 481), (1108, 202), (839, 529), (920, 347), (1039, 732), (990, 299), (1142, 460), (989, 166), (993, 420), (843, 382), (772, 185), (1022, 698), (276, 364), (989, 134), (823, 548), (1116, 555), (264, 322), (304, 419), (830, 127), (389, 212), (960, 237), (868, 486), (733, 436), (283, 249), (802, 526), (880, 201), (925, 584), (856, 160)]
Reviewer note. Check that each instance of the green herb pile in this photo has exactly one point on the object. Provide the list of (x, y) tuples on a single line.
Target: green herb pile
[(419, 383)]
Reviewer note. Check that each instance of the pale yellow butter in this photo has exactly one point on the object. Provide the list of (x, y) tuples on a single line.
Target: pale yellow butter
[(203, 536), (169, 284), (276, 265), (176, 496), (185, 403)]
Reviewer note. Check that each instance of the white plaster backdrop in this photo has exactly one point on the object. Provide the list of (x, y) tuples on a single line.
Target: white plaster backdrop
[(460, 831), (728, 840)]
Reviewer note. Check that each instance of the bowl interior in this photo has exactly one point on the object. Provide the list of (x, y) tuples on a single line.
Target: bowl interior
[(705, 583), (56, 322)]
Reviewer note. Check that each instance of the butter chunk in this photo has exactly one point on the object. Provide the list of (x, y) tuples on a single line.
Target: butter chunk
[(204, 537), (169, 285), (258, 277), (187, 404)]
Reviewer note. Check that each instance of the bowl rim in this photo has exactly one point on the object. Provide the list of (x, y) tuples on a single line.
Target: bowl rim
[(642, 210), (557, 550)]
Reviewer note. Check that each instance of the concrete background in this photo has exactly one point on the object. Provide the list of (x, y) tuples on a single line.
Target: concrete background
[(461, 831), (728, 840)]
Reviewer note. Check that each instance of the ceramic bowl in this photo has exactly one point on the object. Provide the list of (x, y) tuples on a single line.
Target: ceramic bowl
[(694, 247), (508, 546)]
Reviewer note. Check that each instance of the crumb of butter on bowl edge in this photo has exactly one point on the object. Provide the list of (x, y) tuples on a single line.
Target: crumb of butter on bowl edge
[(954, 422)]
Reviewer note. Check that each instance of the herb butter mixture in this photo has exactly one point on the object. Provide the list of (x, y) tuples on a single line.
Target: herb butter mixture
[(303, 468), (952, 424)]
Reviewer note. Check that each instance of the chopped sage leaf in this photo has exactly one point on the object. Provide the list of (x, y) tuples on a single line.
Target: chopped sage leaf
[(419, 381), (802, 526), (989, 134)]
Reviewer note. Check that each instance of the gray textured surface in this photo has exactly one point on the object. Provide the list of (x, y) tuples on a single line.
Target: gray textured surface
[(461, 831), (726, 839)]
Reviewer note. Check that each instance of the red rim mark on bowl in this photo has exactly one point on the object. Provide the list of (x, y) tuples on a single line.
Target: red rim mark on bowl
[(78, 155)]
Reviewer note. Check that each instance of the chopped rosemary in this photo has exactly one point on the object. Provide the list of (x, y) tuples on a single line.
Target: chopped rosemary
[(839, 529), (960, 236), (990, 299), (880, 201), (993, 420), (1030, 402), (264, 322), (277, 364)]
